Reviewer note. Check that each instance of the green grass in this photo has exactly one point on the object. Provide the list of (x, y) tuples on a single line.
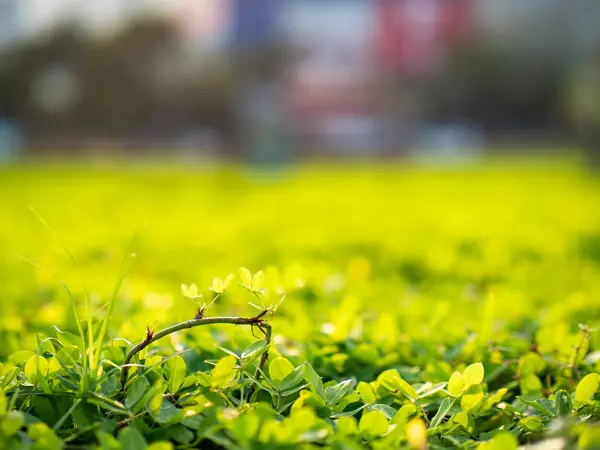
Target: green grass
[(395, 277)]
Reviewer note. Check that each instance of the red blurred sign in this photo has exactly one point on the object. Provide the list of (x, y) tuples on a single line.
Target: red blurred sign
[(414, 34), (332, 73)]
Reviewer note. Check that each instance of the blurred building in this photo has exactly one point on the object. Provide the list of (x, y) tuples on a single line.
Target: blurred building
[(329, 79), (414, 35), (346, 76)]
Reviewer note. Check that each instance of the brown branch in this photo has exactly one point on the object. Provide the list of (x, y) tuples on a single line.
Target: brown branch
[(153, 337), (263, 358)]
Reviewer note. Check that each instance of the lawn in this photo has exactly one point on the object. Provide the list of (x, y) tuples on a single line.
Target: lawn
[(424, 307)]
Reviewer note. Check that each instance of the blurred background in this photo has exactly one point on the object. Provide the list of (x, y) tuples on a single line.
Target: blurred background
[(396, 125), (272, 81)]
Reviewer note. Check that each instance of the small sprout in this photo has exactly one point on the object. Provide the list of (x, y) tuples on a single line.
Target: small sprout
[(245, 277), (257, 281), (149, 333), (219, 286), (253, 283), (190, 291)]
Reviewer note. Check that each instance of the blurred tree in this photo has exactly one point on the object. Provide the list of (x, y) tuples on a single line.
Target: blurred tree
[(583, 106), (500, 89), (139, 84)]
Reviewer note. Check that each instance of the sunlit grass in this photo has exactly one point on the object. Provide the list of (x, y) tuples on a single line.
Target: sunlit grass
[(386, 265)]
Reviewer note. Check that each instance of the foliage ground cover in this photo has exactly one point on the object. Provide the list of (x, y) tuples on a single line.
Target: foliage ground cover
[(385, 307)]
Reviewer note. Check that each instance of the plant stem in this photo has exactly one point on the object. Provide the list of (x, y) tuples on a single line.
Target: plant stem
[(263, 359), (153, 337)]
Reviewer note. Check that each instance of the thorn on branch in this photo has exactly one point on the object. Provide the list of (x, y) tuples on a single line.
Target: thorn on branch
[(535, 347), (149, 334), (258, 318), (199, 314)]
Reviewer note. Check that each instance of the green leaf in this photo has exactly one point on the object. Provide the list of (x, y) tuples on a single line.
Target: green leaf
[(42, 435), (346, 426), (279, 368), (108, 442), (43, 408), (312, 377), (223, 372), (3, 403), (404, 414), (292, 379), (429, 389), (456, 384), (110, 386), (226, 350), (227, 280), (563, 402), (20, 357), (245, 277), (69, 355), (473, 375), (155, 397), (464, 420), (531, 363), (533, 423), (442, 411), (67, 339), (176, 370), (416, 433), (502, 441), (161, 445), (471, 398), (539, 407), (35, 366), (246, 426), (255, 349), (217, 286), (258, 280), (333, 394), (286, 392), (496, 398), (136, 392), (80, 417), (190, 291), (392, 381), (387, 410), (530, 384), (350, 413), (589, 439), (8, 374), (166, 413), (131, 439), (44, 383), (366, 392), (373, 424), (587, 387), (11, 423), (181, 434)]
